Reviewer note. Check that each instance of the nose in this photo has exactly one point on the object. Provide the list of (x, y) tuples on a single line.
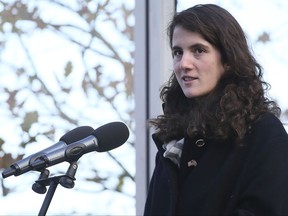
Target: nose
[(186, 62)]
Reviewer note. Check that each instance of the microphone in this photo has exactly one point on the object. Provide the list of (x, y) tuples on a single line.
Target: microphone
[(104, 138), (72, 136)]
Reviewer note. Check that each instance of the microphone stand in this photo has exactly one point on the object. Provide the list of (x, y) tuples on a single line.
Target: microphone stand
[(66, 181)]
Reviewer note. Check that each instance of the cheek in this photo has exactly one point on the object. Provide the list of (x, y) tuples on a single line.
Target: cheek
[(218, 71), (215, 79), (175, 65), (176, 71)]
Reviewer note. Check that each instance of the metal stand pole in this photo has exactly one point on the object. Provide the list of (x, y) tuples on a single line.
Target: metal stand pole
[(66, 181), (53, 185)]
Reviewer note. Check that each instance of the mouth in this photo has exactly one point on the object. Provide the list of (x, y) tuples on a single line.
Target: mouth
[(188, 78)]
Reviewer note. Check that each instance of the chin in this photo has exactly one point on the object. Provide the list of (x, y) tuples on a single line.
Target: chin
[(191, 94), (194, 96)]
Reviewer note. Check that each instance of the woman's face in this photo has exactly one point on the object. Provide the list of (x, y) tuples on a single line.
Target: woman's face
[(197, 64)]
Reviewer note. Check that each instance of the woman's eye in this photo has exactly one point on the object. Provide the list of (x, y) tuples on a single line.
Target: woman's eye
[(177, 52), (199, 50)]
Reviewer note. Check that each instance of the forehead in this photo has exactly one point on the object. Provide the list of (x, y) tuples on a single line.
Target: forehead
[(182, 36)]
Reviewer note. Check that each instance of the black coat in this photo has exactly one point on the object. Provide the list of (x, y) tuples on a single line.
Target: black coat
[(228, 179)]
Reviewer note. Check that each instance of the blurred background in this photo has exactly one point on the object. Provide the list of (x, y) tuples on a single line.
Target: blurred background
[(69, 63)]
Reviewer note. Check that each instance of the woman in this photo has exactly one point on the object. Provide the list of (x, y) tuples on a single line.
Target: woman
[(221, 148)]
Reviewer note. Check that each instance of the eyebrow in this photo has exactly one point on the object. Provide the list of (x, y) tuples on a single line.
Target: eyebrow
[(192, 46)]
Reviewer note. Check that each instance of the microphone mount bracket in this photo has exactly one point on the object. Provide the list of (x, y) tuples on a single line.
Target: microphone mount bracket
[(66, 181)]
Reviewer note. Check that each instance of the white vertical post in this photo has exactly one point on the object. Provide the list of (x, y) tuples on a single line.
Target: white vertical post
[(152, 69), (141, 98)]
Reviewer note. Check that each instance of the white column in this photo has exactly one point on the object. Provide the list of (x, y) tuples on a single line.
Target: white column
[(152, 68)]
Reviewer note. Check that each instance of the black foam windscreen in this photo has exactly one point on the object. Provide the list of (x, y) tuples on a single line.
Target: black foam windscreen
[(111, 135), (77, 134)]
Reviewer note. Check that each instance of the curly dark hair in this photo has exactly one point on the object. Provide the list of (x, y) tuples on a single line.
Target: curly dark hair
[(239, 98)]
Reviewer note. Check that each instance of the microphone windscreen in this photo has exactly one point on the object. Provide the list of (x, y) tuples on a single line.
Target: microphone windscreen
[(111, 135), (76, 134)]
